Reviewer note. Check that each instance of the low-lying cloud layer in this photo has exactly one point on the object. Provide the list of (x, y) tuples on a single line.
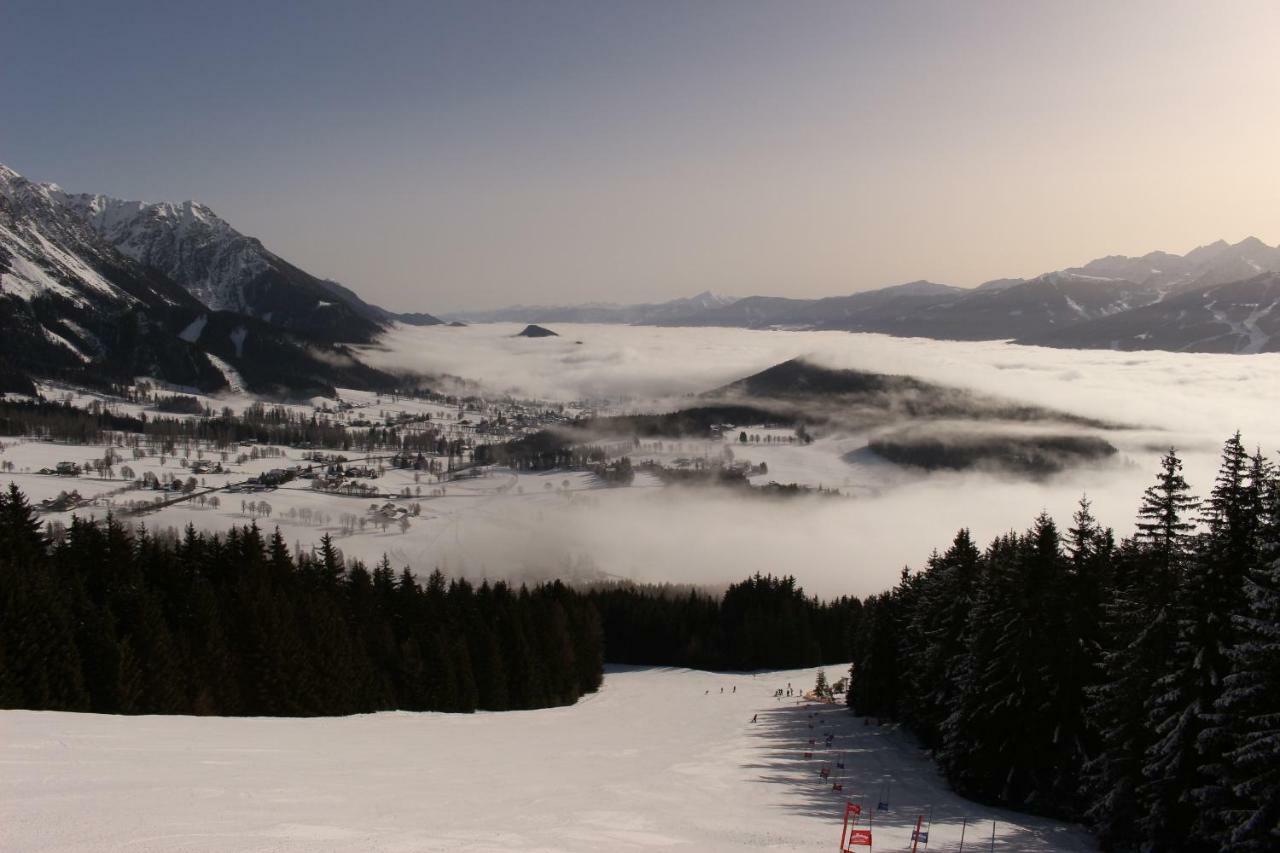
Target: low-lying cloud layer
[(858, 545)]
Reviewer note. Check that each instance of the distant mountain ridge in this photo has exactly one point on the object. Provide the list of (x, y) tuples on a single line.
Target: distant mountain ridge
[(1215, 298), (596, 312)]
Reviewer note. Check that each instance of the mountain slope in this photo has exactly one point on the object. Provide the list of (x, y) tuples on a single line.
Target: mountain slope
[(1111, 301), (226, 270), (1051, 301), (75, 308), (1236, 317), (926, 309), (72, 307)]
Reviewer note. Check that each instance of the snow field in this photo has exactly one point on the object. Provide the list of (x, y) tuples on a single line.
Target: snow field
[(659, 758)]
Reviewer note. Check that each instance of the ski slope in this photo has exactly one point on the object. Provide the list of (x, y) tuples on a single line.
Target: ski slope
[(658, 759)]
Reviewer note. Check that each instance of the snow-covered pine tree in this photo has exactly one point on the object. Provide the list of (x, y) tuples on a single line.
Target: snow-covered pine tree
[(1165, 515), (1139, 631), (1250, 702), (1132, 648), (967, 731), (1184, 765), (875, 679), (1005, 740), (940, 623), (1090, 553), (1229, 552)]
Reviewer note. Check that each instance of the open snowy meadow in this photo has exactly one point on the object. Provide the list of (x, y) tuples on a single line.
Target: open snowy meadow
[(658, 759)]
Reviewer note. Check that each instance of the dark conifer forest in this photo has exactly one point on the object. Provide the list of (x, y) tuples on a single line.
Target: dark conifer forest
[(764, 622), (118, 621), (1134, 685)]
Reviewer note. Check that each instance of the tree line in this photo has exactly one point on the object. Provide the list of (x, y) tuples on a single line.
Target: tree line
[(257, 424), (763, 622), (117, 621), (1134, 685)]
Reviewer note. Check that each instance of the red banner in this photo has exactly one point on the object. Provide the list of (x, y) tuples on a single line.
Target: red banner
[(850, 837), (858, 838)]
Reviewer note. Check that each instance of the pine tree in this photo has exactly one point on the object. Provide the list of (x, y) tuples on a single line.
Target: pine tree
[(1215, 600), (941, 622), (21, 537), (1165, 516), (1132, 650), (1001, 743), (1090, 561), (1250, 702), (1184, 803)]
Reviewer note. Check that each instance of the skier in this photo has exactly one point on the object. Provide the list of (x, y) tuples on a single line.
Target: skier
[(753, 717)]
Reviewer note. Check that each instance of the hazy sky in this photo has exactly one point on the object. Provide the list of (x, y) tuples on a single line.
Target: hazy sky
[(435, 156)]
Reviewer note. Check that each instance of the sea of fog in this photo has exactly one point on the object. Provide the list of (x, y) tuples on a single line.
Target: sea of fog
[(1190, 401)]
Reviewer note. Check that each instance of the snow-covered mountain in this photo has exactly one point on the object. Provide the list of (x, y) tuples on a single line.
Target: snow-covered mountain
[(1235, 317), (75, 306), (70, 301), (1216, 263), (45, 248), (1114, 301), (224, 269)]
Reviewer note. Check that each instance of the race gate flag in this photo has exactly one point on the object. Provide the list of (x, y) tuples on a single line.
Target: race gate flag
[(850, 836), (922, 837), (858, 838)]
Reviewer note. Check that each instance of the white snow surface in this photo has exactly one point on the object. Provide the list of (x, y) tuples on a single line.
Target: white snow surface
[(658, 759), (235, 382), (194, 329)]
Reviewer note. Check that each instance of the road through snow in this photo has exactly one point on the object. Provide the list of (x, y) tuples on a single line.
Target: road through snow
[(659, 758)]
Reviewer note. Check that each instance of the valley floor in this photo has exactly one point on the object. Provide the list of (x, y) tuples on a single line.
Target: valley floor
[(659, 758)]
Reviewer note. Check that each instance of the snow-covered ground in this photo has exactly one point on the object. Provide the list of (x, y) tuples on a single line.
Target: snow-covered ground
[(657, 759)]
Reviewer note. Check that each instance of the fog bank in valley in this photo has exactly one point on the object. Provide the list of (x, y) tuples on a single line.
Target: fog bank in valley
[(833, 546)]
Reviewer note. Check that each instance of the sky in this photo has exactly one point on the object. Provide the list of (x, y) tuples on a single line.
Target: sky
[(441, 156)]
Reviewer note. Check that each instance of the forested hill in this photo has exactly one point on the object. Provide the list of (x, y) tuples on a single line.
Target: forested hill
[(1133, 685)]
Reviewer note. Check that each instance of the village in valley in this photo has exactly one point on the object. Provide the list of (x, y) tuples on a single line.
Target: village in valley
[(413, 476), (383, 456)]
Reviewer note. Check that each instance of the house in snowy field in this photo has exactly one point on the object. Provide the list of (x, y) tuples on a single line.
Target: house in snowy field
[(63, 502), (388, 511), (63, 469), (275, 477)]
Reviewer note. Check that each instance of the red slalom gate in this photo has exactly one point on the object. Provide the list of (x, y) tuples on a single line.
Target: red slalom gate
[(851, 836)]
